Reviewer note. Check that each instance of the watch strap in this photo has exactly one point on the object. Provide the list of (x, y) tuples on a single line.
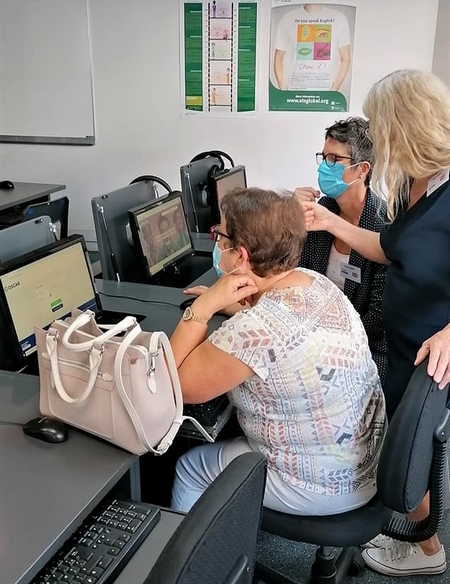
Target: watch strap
[(189, 314)]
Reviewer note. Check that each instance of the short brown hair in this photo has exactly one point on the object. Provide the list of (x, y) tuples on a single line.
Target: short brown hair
[(269, 225)]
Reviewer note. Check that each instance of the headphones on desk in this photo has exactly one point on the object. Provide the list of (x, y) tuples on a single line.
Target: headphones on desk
[(154, 179), (215, 170)]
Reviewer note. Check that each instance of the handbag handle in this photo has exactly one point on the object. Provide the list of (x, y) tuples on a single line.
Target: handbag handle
[(173, 371), (157, 340), (82, 319), (95, 355), (95, 358)]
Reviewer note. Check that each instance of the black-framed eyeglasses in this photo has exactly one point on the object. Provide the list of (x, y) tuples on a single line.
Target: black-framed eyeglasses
[(330, 159), (215, 234)]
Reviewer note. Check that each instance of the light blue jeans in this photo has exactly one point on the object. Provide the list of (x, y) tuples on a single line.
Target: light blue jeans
[(198, 468)]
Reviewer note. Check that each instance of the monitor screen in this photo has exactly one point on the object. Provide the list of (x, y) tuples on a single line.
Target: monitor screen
[(232, 179), (110, 212), (161, 233), (42, 290)]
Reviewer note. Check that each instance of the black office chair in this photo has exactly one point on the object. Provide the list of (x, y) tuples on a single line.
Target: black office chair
[(58, 210), (216, 542), (412, 462)]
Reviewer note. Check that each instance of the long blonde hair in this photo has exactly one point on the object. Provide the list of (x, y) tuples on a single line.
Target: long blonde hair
[(409, 118)]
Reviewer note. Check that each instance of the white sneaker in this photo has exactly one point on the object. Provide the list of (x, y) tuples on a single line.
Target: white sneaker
[(404, 559), (380, 541)]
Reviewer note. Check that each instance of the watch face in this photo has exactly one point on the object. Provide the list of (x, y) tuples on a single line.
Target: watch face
[(188, 313)]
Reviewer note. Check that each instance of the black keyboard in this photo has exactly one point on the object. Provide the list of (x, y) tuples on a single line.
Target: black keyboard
[(101, 547), (207, 413)]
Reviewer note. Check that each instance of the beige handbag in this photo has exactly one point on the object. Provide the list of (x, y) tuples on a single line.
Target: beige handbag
[(124, 389)]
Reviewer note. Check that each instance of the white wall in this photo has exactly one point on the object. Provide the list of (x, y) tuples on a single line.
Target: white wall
[(441, 61), (135, 45)]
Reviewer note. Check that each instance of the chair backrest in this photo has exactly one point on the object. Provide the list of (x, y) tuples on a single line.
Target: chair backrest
[(216, 542), (413, 457), (57, 210)]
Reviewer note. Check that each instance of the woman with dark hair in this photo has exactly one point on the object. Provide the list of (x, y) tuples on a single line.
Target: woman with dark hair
[(295, 363), (344, 172)]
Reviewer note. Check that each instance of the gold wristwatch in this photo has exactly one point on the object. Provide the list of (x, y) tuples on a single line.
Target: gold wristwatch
[(189, 314)]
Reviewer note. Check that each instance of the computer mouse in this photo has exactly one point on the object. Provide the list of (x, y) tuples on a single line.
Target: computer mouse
[(187, 302), (6, 184), (47, 429)]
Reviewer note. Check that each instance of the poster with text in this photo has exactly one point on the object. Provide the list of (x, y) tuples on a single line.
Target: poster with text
[(218, 58), (311, 53)]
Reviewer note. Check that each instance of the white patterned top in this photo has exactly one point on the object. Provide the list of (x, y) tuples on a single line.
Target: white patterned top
[(314, 406)]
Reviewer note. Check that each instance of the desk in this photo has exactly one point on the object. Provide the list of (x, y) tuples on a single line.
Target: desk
[(159, 304), (26, 193), (145, 558), (47, 489)]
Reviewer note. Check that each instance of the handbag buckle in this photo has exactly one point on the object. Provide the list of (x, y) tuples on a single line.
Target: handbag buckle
[(152, 367), (151, 384)]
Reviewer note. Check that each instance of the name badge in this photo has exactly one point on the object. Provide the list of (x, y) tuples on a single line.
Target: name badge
[(437, 181), (350, 272)]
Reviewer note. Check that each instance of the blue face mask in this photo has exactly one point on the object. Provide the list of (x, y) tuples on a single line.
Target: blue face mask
[(216, 257), (330, 179)]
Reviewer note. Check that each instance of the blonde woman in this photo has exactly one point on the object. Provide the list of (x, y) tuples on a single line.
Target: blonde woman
[(409, 116)]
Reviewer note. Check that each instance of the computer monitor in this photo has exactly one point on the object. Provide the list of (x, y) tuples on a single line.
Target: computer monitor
[(161, 233), (110, 212), (195, 191), (25, 237), (224, 183), (36, 289)]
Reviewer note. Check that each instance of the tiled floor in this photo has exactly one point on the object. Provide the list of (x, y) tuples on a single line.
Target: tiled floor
[(295, 560)]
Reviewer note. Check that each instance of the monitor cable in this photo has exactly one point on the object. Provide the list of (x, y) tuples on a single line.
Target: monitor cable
[(140, 299), (191, 195), (112, 256)]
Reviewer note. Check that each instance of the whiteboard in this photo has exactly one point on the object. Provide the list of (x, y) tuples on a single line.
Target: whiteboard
[(46, 93)]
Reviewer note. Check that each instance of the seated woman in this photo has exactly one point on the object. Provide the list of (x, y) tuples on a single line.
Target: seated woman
[(345, 169), (296, 364)]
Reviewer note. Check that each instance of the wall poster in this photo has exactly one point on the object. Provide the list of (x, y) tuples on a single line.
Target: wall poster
[(218, 57), (311, 53)]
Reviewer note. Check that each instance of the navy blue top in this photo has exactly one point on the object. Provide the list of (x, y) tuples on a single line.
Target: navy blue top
[(416, 300)]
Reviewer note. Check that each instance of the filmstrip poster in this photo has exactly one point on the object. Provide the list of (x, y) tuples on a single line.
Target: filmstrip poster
[(218, 57), (311, 54)]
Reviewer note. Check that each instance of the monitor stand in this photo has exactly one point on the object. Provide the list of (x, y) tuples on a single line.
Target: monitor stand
[(184, 272), (31, 366)]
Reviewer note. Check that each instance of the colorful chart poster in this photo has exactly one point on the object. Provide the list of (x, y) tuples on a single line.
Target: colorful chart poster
[(311, 53), (218, 56)]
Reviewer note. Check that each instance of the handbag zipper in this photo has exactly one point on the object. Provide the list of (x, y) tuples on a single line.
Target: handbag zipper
[(81, 367)]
